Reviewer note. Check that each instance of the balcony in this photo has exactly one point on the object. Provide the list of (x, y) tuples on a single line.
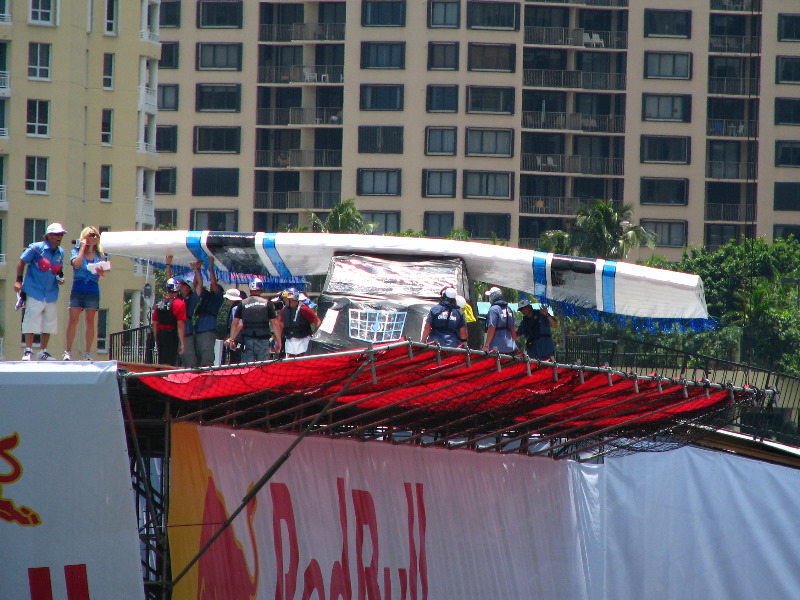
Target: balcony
[(565, 36), (560, 163), (5, 18), (573, 122), (743, 44), (297, 115), (145, 211), (296, 200), (732, 128), (301, 74), (730, 212), (736, 5), (549, 205), (733, 86), (730, 170), (593, 3), (299, 32), (528, 243), (148, 36), (296, 158), (3, 198), (5, 83), (148, 99), (553, 78), (146, 147)]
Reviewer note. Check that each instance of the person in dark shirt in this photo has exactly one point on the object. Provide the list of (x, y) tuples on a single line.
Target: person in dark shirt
[(537, 327)]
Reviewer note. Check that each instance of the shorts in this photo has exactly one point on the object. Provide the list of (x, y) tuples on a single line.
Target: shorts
[(84, 300), (40, 317), (296, 346)]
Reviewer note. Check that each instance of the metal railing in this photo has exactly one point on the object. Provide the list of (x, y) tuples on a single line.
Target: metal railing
[(730, 170), (560, 163), (607, 3), (301, 74), (573, 121), (294, 158), (717, 211), (295, 199), (573, 79), (733, 86), (297, 115), (738, 5), (133, 346), (731, 128), (744, 44), (565, 36), (301, 32), (550, 205)]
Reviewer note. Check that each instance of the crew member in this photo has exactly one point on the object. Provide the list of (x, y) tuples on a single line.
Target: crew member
[(169, 325), (445, 324), (257, 315), (299, 323), (536, 326), (501, 327)]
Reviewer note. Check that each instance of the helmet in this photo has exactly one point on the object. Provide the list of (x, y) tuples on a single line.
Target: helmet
[(461, 302), (257, 285), (173, 284), (448, 293), (523, 303), (291, 293)]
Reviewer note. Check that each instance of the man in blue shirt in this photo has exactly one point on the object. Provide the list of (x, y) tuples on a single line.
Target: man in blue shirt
[(40, 285), (204, 308), (501, 327), (445, 323)]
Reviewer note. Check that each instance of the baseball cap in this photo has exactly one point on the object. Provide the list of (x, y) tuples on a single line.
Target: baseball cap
[(449, 293), (492, 290), (523, 303), (233, 294), (55, 228), (188, 279)]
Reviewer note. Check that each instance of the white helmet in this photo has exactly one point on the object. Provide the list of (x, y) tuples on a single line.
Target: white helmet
[(173, 284), (461, 302), (449, 293)]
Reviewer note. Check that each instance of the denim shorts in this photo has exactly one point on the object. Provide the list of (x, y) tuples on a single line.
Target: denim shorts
[(84, 300)]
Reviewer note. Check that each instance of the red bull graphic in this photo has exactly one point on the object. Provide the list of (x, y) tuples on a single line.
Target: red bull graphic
[(9, 511)]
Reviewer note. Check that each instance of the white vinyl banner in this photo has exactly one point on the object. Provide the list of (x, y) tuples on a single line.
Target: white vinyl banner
[(350, 520), (67, 514)]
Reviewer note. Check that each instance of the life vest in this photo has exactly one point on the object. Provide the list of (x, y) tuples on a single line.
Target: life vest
[(295, 326), (441, 317), (506, 320), (255, 316), (166, 318)]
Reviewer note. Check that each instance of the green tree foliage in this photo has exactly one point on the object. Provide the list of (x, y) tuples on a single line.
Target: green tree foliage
[(600, 230), (343, 218)]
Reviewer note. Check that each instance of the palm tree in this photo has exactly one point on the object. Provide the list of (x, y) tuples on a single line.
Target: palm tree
[(600, 230), (343, 218)]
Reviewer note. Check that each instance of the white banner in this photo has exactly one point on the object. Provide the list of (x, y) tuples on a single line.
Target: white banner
[(67, 514)]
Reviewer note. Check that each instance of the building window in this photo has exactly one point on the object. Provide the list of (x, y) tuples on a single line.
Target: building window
[(102, 330), (169, 55), (38, 118), (380, 140), (278, 221), (166, 218), (168, 96), (112, 15), (387, 222), (219, 97), (664, 149), (492, 57), (383, 13), (444, 13), (667, 23), (667, 65), (166, 181), (169, 14), (668, 233), (664, 191), (787, 111), (789, 28), (489, 142), (493, 15), (381, 97), (225, 14), (788, 69), (484, 226), (215, 220), (105, 182), (166, 138), (108, 71), (662, 107), (215, 181), (107, 127), (487, 184), (33, 231), (442, 98), (221, 140), (787, 153), (36, 174), (378, 182), (785, 231), (383, 55), (438, 183), (38, 61), (440, 140), (438, 224), (497, 100), (219, 57), (787, 195), (443, 56), (42, 12)]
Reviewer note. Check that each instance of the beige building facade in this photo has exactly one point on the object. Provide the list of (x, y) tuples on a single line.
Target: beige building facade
[(78, 105)]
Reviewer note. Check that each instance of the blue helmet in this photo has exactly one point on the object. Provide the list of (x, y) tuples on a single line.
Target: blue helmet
[(173, 284), (257, 285), (291, 293)]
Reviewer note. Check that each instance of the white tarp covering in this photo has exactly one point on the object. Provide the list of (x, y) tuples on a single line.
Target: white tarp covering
[(67, 515), (396, 522)]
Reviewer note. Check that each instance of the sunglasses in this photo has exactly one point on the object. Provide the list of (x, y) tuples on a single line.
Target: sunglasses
[(93, 235)]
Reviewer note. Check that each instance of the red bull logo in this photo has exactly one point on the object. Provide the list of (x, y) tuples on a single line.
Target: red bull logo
[(10, 472)]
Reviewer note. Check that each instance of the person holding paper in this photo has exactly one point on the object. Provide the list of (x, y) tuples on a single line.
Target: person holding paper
[(85, 296)]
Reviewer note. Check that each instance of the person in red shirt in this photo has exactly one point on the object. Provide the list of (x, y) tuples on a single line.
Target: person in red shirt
[(299, 323), (169, 325)]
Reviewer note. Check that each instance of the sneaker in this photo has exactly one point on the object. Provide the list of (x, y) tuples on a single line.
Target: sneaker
[(44, 355), (28, 354), (67, 355), (88, 357)]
